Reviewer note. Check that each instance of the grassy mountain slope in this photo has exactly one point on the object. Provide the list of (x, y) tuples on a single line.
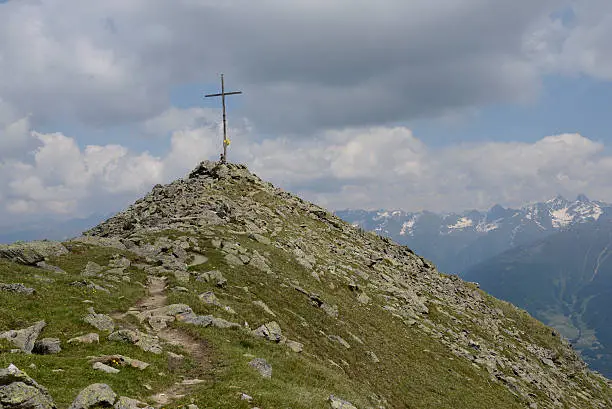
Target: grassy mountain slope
[(564, 280), (216, 256)]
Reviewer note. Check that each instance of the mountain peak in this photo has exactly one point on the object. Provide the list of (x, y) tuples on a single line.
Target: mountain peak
[(582, 198)]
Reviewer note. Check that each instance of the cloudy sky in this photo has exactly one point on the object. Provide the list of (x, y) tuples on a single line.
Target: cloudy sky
[(405, 104)]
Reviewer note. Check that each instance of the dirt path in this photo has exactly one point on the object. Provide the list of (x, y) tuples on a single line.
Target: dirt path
[(197, 350)]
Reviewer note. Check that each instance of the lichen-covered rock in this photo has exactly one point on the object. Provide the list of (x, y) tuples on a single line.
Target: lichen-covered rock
[(262, 366), (129, 403), (270, 331), (24, 339), (32, 252), (100, 321), (99, 366), (17, 288), (47, 346), (85, 339), (97, 394), (146, 342), (337, 403), (19, 391)]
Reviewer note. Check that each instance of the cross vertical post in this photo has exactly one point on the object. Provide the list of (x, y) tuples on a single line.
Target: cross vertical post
[(222, 95)]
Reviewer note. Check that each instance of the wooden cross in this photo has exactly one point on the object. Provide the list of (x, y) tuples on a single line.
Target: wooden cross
[(222, 95)]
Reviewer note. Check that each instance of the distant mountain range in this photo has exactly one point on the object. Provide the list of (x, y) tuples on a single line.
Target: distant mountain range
[(50, 229), (457, 241), (564, 280)]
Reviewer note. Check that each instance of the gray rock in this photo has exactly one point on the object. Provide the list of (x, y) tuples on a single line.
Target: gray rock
[(32, 252), (209, 298), (48, 267), (19, 391), (270, 331), (146, 342), (99, 366), (294, 346), (47, 346), (91, 269), (17, 288), (24, 339), (100, 321), (97, 394), (182, 276), (259, 238), (263, 367), (337, 403), (339, 340), (85, 339), (213, 276), (233, 260), (129, 403), (89, 284), (175, 361), (263, 305), (372, 357), (331, 310)]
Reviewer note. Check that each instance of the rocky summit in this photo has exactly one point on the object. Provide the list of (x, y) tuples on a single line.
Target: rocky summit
[(220, 290)]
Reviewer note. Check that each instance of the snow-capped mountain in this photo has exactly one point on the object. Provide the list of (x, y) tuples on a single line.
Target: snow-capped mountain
[(456, 241)]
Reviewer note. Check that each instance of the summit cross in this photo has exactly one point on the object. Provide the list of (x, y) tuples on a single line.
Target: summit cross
[(223, 94)]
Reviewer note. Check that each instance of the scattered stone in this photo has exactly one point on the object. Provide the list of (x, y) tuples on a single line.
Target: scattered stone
[(129, 403), (24, 339), (212, 276), (146, 342), (262, 366), (95, 395), (209, 298), (331, 310), (47, 346), (264, 307), (244, 396), (19, 391), (198, 259), (119, 261), (337, 403), (363, 298), (101, 321), (233, 260), (89, 284), (32, 252), (294, 346), (340, 340), (99, 366), (270, 331), (179, 289), (182, 276), (372, 357), (17, 288), (91, 269), (85, 339), (48, 267), (120, 360), (175, 361), (259, 238)]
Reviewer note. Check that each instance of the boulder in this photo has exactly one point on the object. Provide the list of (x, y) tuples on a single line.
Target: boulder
[(17, 288), (129, 403), (32, 252), (337, 403), (100, 321), (85, 339), (270, 331), (262, 366), (97, 394), (19, 391), (24, 339), (47, 346), (99, 366)]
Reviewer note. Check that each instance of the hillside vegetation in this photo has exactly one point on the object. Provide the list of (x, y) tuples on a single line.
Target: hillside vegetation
[(221, 291)]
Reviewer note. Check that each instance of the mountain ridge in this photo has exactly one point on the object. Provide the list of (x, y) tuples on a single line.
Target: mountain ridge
[(288, 305), (456, 241)]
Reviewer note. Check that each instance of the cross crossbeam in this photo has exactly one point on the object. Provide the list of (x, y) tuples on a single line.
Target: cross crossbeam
[(223, 94)]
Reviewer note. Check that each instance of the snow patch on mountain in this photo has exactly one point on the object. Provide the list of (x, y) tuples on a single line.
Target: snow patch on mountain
[(484, 227), (461, 224), (407, 227), (561, 218)]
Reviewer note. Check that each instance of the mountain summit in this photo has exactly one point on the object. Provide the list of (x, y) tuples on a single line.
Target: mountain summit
[(220, 290)]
